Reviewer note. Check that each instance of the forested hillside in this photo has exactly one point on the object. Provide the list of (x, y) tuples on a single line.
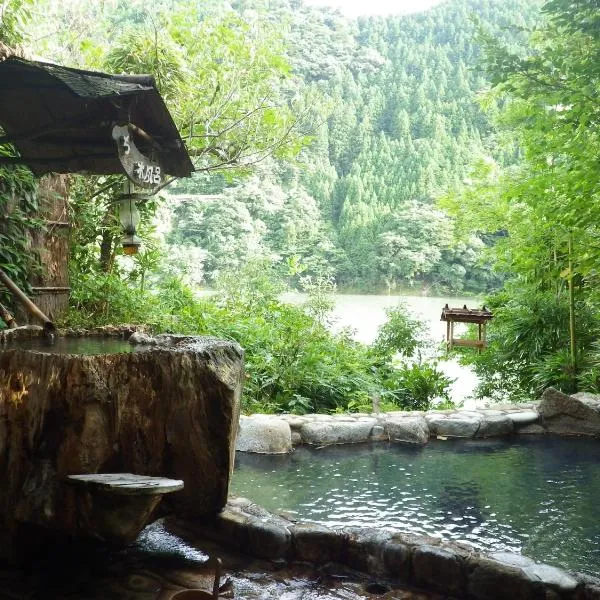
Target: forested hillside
[(378, 153), (386, 111), (395, 122)]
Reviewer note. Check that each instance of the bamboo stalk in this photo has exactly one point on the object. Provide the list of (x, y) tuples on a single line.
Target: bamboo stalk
[(31, 308)]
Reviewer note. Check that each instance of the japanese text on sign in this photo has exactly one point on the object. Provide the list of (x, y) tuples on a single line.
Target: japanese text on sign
[(147, 174)]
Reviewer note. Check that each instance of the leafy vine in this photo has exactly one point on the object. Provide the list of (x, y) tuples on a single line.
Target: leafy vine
[(18, 208)]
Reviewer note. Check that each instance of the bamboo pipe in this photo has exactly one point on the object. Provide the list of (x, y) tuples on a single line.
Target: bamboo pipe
[(26, 302)]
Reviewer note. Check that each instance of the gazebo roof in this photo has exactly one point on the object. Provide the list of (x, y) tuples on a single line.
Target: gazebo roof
[(466, 315), (60, 119)]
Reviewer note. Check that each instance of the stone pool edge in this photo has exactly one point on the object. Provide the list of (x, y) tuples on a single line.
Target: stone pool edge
[(556, 413), (425, 562), (422, 561)]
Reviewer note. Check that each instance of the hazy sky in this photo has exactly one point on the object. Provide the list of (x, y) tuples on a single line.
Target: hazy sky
[(354, 8)]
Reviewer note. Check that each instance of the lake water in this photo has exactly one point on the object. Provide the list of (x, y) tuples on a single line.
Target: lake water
[(364, 314), (536, 496)]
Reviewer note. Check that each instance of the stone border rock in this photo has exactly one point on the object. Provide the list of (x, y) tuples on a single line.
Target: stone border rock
[(278, 434), (451, 568), (28, 332), (557, 413)]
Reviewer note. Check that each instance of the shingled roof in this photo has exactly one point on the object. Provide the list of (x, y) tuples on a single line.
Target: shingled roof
[(60, 119), (466, 315)]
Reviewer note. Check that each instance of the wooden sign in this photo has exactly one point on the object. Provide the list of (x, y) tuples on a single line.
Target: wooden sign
[(141, 170)]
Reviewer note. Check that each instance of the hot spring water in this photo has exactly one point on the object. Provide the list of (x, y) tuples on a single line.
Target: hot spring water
[(83, 346), (537, 496)]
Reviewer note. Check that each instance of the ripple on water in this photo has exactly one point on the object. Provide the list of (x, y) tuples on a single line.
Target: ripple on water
[(535, 496)]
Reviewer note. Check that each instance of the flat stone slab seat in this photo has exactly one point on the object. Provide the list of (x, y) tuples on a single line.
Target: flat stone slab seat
[(126, 483), (115, 507)]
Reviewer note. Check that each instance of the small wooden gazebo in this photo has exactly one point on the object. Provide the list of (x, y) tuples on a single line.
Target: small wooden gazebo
[(466, 315)]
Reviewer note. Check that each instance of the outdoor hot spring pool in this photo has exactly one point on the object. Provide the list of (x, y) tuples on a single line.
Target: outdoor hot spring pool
[(537, 496)]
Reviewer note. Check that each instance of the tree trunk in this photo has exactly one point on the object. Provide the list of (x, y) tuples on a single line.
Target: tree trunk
[(106, 245), (572, 336)]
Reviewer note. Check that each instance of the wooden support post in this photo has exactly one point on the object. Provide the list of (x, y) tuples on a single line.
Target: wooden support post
[(451, 335)]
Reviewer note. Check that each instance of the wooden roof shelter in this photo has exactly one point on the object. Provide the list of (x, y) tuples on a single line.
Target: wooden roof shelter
[(61, 119), (56, 119), (466, 315)]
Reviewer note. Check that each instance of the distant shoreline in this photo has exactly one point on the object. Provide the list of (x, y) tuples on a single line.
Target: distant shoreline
[(397, 293)]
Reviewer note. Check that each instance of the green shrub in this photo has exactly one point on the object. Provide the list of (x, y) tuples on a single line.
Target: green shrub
[(415, 385), (528, 344), (103, 298), (401, 333), (555, 370), (294, 363), (588, 378), (18, 208)]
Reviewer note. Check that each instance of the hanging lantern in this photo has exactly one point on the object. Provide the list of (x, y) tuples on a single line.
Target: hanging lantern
[(130, 219)]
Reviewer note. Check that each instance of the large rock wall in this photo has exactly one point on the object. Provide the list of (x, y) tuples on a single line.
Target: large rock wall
[(171, 411)]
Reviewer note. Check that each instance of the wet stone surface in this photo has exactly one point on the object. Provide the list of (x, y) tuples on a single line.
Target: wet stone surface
[(161, 564)]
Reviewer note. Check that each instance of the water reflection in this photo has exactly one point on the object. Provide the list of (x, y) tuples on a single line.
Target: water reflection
[(461, 504), (536, 496), (75, 345)]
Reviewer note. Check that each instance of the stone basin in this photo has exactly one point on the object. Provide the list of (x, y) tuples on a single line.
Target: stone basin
[(169, 410)]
